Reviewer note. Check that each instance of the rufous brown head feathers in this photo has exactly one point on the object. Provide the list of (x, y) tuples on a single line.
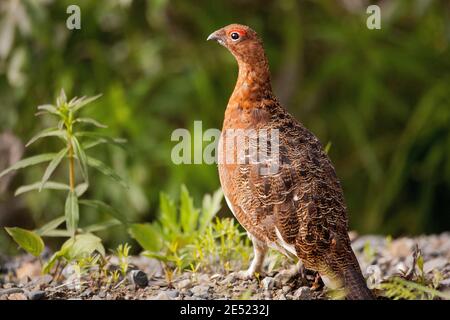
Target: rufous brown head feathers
[(241, 41)]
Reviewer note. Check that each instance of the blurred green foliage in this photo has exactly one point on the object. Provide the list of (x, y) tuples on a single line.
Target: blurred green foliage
[(382, 97)]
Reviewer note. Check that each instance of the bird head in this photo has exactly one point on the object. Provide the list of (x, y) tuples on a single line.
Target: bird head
[(241, 41)]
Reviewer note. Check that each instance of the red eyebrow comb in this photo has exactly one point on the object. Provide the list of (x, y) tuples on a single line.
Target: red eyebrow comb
[(241, 31)]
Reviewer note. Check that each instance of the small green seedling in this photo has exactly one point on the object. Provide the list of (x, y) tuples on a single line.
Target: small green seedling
[(122, 253)]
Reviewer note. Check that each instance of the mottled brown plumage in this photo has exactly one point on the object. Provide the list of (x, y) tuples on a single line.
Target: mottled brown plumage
[(299, 209)]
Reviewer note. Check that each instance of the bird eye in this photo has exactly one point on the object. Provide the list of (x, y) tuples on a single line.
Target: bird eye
[(234, 36)]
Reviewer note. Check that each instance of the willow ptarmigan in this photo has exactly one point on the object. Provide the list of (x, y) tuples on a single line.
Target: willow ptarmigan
[(298, 208)]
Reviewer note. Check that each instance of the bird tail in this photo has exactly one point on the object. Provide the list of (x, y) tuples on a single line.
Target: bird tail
[(355, 284)]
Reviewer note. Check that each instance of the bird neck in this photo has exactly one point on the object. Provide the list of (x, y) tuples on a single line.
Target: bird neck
[(253, 84)]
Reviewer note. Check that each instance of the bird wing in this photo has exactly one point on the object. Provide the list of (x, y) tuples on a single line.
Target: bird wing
[(301, 202)]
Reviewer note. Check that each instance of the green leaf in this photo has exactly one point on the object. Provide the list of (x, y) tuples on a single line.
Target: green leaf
[(102, 225), (77, 104), (27, 240), (155, 255), (210, 207), (61, 99), (48, 266), (82, 158), (29, 162), (81, 189), (91, 121), (58, 233), (72, 212), (103, 168), (188, 213), (81, 246), (52, 166), (420, 264), (50, 132), (50, 226), (168, 212), (117, 142), (37, 185), (107, 208), (100, 138), (146, 235), (328, 147), (48, 108)]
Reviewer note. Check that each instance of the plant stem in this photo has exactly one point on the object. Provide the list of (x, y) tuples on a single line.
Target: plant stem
[(71, 167)]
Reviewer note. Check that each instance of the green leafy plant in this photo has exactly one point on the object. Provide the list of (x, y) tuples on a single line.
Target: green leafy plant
[(414, 285), (186, 237), (398, 288), (223, 247), (71, 129)]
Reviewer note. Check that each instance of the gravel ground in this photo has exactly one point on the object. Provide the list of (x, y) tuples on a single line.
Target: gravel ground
[(379, 257)]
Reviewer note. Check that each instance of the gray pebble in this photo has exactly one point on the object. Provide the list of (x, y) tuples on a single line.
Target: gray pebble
[(184, 284), (436, 263), (172, 293), (36, 295), (200, 290), (229, 279), (303, 293), (161, 296), (268, 283), (445, 283)]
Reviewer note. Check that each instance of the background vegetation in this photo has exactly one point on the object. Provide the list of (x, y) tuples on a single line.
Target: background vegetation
[(382, 97)]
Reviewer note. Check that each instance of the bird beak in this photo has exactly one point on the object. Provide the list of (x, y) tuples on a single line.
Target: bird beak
[(216, 35)]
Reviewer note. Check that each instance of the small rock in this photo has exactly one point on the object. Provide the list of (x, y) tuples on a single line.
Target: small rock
[(282, 278), (8, 285), (86, 293), (161, 296), (303, 293), (200, 290), (445, 283), (286, 289), (229, 279), (24, 281), (139, 278), (216, 276), (401, 247), (184, 284), (172, 293), (268, 283), (36, 295), (43, 280), (436, 263), (17, 296), (203, 278)]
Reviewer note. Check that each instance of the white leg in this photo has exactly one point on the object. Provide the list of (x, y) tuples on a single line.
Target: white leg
[(259, 249)]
